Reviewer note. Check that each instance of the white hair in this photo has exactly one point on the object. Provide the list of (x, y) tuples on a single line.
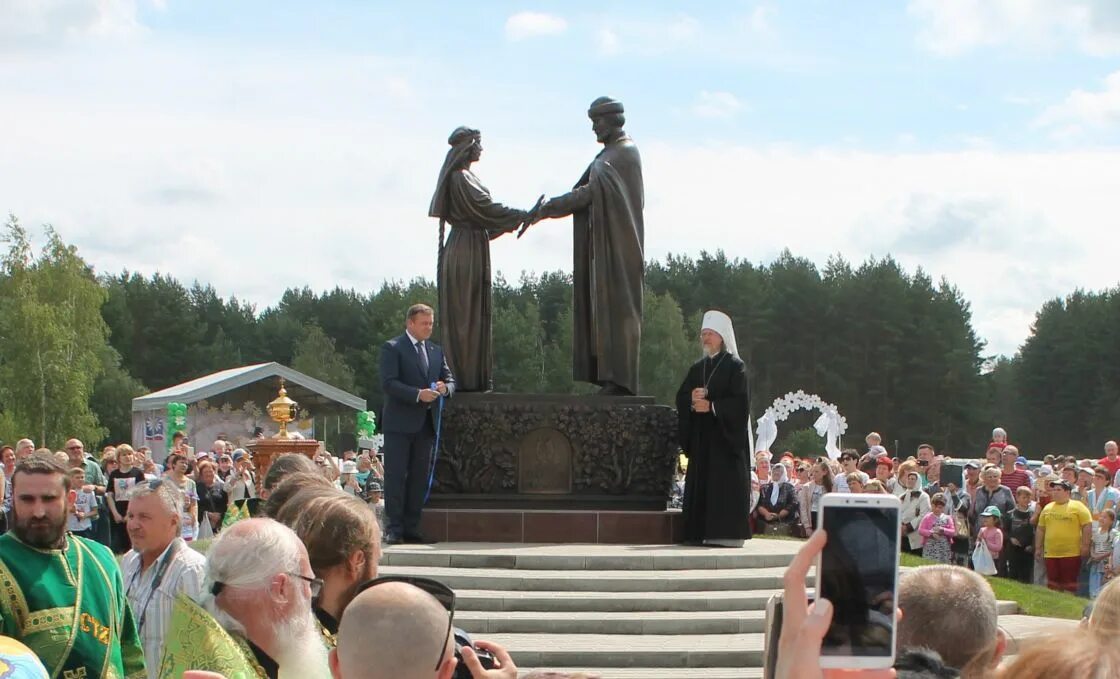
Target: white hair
[(999, 431), (250, 552), (168, 493)]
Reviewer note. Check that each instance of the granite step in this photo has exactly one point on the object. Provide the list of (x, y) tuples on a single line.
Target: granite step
[(699, 651), (559, 600), (645, 651), (597, 581), (482, 623), (636, 602), (760, 554)]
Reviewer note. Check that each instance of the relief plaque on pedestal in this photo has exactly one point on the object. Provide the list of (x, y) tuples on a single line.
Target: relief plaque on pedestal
[(545, 462)]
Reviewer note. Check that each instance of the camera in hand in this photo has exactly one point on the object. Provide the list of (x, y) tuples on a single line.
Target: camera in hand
[(485, 657)]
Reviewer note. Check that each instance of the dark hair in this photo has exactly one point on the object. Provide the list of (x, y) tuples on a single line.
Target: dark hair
[(826, 478), (288, 463), (1101, 470), (419, 309), (289, 486), (332, 525), (40, 464), (938, 499), (926, 446), (848, 454)]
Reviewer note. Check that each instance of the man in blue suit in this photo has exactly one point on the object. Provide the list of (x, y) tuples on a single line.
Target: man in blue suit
[(410, 366)]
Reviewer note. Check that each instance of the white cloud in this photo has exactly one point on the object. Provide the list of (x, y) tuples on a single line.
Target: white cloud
[(646, 37), (607, 40), (1082, 110), (954, 27), (30, 23), (532, 24), (716, 105), (199, 164)]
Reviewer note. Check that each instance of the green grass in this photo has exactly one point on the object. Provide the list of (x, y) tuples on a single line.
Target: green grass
[(1032, 599)]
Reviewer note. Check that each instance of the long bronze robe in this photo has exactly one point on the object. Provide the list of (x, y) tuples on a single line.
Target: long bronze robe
[(716, 497), (465, 303), (609, 265)]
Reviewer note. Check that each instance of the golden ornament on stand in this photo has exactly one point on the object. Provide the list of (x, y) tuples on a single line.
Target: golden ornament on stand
[(282, 410)]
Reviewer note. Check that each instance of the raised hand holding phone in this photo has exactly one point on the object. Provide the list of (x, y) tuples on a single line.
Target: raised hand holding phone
[(858, 575), (804, 626)]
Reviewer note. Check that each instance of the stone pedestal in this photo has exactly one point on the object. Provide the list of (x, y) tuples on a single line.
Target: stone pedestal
[(554, 452), (266, 450)]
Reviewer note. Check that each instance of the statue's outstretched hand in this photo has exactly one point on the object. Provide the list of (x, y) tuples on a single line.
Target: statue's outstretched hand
[(536, 214)]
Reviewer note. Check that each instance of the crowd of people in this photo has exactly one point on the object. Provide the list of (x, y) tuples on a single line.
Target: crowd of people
[(1050, 524), (291, 591)]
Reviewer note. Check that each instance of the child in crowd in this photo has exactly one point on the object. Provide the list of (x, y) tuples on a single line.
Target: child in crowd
[(937, 530), (84, 511), (855, 482), (1100, 554), (999, 438), (1020, 554), (990, 532)]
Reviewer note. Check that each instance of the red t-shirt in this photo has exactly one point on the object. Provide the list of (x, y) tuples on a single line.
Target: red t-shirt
[(1111, 465), (1015, 479)]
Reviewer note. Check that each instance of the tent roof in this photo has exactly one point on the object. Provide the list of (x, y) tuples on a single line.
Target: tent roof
[(227, 380)]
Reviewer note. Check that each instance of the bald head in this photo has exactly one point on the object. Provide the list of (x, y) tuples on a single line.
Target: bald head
[(953, 611), (393, 631)]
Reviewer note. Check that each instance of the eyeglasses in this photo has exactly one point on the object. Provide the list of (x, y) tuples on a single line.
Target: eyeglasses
[(442, 593), (316, 585)]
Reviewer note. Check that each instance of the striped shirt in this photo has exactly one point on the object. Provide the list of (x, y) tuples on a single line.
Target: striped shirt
[(183, 574)]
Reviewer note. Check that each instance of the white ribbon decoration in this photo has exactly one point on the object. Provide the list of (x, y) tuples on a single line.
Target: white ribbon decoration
[(831, 425)]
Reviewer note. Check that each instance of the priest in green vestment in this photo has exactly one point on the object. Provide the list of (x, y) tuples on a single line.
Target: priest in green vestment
[(255, 619), (62, 595)]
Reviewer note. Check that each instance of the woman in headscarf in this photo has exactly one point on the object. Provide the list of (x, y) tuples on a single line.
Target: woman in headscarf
[(777, 502), (463, 267)]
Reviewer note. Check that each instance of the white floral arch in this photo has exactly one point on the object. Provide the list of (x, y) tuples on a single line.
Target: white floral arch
[(831, 425)]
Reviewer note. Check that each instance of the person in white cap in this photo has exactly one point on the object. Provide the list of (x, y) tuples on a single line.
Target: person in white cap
[(713, 407)]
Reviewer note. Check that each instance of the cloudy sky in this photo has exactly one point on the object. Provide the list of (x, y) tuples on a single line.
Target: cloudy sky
[(978, 139)]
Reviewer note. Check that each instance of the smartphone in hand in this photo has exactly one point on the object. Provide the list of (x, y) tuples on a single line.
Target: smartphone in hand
[(858, 573)]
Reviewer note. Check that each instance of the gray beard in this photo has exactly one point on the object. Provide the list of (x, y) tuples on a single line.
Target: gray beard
[(302, 654)]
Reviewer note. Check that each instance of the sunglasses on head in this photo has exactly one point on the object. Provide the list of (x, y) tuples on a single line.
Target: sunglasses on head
[(316, 583), (442, 593)]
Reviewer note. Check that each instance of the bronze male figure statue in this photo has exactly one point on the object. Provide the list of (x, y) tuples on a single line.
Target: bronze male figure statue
[(609, 269)]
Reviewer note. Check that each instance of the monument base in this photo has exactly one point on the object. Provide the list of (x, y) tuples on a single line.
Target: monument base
[(526, 452), (558, 526)]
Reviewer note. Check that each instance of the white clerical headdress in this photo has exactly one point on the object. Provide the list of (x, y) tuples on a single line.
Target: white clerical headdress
[(721, 323)]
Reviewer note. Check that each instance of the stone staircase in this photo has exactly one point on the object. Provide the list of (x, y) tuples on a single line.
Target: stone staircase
[(621, 611)]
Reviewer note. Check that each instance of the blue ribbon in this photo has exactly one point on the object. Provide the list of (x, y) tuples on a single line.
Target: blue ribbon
[(435, 448)]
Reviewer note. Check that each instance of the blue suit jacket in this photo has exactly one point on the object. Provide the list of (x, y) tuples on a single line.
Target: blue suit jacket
[(402, 378)]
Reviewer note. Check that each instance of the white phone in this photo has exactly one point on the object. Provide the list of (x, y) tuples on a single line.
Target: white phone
[(858, 573)]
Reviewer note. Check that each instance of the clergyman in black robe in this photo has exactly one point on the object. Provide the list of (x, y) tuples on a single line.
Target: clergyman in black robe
[(465, 302), (713, 407), (608, 266)]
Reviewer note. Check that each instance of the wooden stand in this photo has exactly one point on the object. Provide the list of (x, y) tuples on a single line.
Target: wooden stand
[(265, 451)]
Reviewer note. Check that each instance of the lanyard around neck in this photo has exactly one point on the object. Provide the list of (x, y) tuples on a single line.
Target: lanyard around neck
[(157, 578)]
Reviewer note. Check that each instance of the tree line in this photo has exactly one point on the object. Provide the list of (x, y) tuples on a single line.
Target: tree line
[(894, 350)]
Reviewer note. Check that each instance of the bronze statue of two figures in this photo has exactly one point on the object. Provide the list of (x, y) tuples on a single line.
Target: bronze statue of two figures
[(608, 268)]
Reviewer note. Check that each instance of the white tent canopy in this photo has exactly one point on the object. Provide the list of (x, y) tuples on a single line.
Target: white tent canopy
[(235, 400)]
